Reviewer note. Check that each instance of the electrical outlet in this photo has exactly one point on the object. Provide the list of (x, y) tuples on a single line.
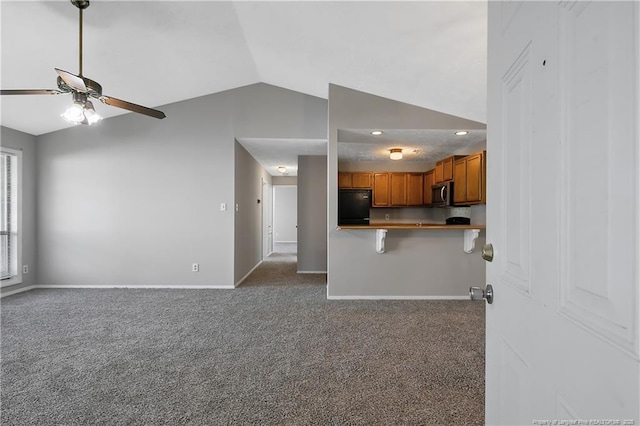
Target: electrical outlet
[(195, 267), (237, 207), (387, 216), (25, 269)]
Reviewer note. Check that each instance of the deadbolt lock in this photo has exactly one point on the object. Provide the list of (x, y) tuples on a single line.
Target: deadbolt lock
[(487, 252)]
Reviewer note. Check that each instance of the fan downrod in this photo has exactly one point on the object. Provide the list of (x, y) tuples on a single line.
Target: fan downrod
[(80, 4)]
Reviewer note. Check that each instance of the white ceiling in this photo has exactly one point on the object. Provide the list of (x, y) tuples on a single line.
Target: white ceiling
[(421, 146), (271, 153), (426, 53)]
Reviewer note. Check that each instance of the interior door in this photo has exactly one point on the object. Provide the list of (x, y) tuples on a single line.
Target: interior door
[(562, 339)]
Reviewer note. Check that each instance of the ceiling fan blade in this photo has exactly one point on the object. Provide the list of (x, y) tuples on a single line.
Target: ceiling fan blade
[(74, 81), (132, 107), (30, 92)]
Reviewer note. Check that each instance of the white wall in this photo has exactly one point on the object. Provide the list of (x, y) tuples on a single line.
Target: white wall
[(135, 201), (417, 263), (285, 213), (27, 144)]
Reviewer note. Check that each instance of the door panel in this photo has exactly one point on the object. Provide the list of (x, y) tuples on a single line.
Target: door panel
[(517, 103), (598, 266), (563, 212)]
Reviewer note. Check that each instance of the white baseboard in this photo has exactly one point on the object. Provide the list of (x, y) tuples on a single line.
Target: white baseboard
[(397, 297), (248, 273), (173, 287), (142, 286), (20, 290), (285, 242), (311, 272)]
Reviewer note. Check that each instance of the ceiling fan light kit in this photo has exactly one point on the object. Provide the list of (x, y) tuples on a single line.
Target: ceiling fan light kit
[(82, 88)]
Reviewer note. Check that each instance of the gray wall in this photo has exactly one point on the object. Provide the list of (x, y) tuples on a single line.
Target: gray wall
[(284, 180), (285, 213), (417, 263), (27, 143), (312, 213), (135, 201), (248, 215)]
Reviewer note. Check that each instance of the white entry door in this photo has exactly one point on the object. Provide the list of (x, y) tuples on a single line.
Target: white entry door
[(563, 213)]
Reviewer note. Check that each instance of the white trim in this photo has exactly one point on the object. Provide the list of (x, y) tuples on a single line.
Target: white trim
[(20, 290), (397, 297), (248, 273), (286, 242), (311, 272), (16, 279)]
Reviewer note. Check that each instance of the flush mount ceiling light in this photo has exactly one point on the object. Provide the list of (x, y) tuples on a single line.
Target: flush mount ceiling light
[(282, 169), (376, 132), (395, 153), (462, 133)]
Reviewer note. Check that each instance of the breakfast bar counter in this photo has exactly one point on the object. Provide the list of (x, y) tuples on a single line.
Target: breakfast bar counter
[(422, 226)]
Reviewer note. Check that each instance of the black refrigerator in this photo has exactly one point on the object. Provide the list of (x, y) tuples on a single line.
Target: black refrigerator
[(353, 206)]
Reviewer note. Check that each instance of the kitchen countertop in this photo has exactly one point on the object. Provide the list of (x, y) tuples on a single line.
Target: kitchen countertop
[(424, 226)]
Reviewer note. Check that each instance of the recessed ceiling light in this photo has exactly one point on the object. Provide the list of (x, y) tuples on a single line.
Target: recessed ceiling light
[(395, 153), (376, 132), (462, 133)]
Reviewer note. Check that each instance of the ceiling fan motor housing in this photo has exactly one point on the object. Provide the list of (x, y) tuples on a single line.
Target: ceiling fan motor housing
[(94, 89), (80, 4)]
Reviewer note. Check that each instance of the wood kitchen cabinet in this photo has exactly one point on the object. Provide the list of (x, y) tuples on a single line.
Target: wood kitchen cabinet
[(460, 181), (359, 180), (444, 168), (429, 179), (470, 176), (415, 189), (397, 189), (381, 188)]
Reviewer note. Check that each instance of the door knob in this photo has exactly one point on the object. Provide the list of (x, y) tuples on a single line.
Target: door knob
[(476, 293)]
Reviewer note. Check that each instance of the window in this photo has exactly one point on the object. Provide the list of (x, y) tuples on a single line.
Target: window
[(10, 211)]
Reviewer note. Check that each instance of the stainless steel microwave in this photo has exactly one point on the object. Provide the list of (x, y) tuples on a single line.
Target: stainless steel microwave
[(442, 194)]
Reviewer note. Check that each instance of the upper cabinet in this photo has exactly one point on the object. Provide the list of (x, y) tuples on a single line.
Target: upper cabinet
[(444, 169), (398, 192), (381, 195), (470, 179), (429, 180), (415, 189), (354, 180), (391, 189)]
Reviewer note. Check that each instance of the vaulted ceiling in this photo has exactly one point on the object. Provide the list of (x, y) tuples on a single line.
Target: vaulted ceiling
[(425, 53)]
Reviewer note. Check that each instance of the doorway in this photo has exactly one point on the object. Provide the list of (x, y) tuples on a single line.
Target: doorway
[(285, 219)]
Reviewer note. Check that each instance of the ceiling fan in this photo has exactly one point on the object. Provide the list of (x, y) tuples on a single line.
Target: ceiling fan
[(83, 88)]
